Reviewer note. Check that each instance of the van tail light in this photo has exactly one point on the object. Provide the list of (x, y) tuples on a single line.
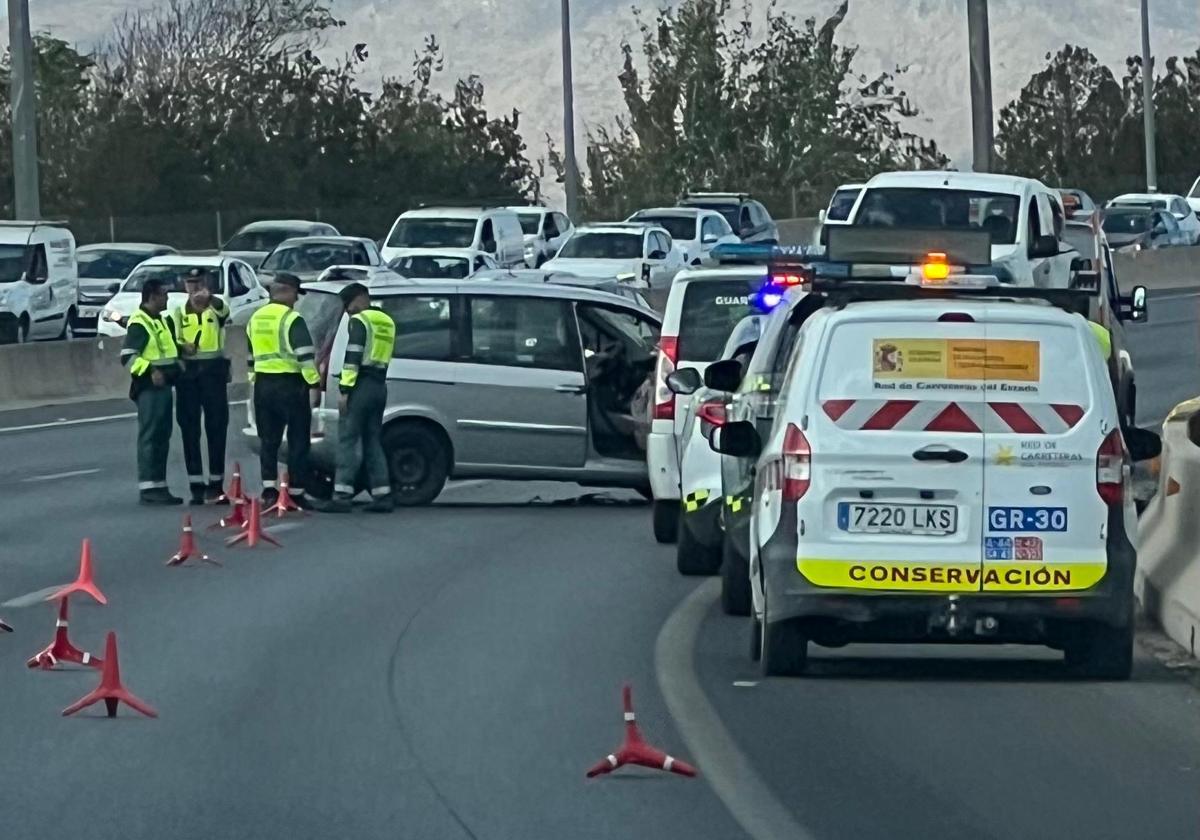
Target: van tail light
[(797, 464), (664, 398), (1110, 469), (712, 412)]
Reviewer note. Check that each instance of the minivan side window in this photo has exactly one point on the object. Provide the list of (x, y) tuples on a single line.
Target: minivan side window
[(424, 328), (523, 332)]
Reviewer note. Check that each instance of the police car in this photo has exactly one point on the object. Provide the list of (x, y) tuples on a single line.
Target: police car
[(946, 464), (698, 551), (701, 311)]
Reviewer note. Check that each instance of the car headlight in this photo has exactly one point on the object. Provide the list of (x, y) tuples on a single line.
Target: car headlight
[(4, 293), (112, 316)]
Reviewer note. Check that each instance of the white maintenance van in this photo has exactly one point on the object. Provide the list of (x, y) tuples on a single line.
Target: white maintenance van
[(39, 281)]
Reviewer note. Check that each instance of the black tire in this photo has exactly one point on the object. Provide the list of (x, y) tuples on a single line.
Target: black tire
[(693, 557), (784, 649), (419, 463), (755, 640), (1131, 406), (68, 330), (23, 330), (735, 581), (666, 520), (1102, 653)]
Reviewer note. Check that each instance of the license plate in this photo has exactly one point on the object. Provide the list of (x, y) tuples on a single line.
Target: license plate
[(89, 312), (920, 520)]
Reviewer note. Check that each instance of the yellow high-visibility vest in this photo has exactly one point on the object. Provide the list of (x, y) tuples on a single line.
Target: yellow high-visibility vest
[(160, 350)]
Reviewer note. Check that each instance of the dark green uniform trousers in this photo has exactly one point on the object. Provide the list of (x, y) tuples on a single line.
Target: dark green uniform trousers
[(154, 435), (360, 438)]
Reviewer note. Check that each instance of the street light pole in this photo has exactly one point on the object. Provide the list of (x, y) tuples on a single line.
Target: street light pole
[(571, 175), (1148, 102), (24, 117), (981, 85)]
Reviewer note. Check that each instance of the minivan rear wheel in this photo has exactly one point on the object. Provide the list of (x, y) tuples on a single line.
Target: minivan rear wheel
[(419, 462), (784, 649), (666, 520), (735, 580)]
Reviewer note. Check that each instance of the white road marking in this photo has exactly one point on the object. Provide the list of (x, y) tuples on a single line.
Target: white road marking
[(720, 761), (54, 476), (62, 423)]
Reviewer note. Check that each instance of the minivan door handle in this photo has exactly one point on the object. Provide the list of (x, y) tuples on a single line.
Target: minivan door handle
[(940, 453), (571, 389)]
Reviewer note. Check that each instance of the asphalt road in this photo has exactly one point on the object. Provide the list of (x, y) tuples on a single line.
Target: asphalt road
[(452, 672)]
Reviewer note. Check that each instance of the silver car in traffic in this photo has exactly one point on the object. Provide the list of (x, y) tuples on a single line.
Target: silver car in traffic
[(498, 380)]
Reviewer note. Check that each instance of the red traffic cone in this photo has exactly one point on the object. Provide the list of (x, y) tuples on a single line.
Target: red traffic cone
[(235, 520), (187, 547), (636, 751), (253, 532), (285, 504), (110, 690), (234, 494), (61, 649), (85, 582)]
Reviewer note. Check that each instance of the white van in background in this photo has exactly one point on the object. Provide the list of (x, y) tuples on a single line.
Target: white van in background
[(39, 281), (495, 231)]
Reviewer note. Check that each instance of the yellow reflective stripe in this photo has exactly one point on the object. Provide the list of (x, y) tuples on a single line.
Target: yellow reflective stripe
[(929, 576)]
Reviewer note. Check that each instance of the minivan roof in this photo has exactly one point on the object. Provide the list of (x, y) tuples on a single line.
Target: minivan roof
[(492, 287), (971, 181), (452, 212)]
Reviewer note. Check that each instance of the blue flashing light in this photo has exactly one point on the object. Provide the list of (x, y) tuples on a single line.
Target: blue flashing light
[(767, 298)]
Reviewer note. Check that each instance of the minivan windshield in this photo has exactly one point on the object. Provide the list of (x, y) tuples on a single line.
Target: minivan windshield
[(171, 276), (680, 227), (315, 256), (14, 260), (940, 209), (433, 233), (431, 267), (1126, 220), (603, 246)]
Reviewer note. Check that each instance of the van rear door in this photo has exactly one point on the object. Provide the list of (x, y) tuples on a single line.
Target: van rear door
[(896, 455), (1046, 426)]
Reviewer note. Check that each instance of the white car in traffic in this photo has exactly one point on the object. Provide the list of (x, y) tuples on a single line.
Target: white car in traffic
[(103, 267), (39, 285), (253, 242), (619, 249), (1176, 205), (544, 231), (232, 280), (487, 230), (694, 230), (441, 263)]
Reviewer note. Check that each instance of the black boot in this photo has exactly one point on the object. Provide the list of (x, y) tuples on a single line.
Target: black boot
[(338, 504), (214, 495), (159, 496), (383, 504), (197, 494)]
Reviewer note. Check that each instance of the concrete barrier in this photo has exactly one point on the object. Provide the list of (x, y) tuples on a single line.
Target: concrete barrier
[(48, 373), (1167, 581)]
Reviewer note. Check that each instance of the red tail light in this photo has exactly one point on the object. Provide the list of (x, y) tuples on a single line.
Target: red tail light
[(1110, 469), (712, 411), (664, 399), (797, 464)]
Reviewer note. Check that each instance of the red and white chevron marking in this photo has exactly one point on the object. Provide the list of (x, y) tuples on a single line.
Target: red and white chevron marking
[(966, 417)]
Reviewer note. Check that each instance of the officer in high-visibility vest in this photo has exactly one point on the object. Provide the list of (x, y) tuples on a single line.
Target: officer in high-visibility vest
[(152, 359), (199, 326), (370, 343), (286, 386)]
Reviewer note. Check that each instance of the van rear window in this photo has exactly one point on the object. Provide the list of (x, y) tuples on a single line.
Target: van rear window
[(710, 312)]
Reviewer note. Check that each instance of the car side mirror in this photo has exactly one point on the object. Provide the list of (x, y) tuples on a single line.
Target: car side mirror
[(739, 439), (1138, 309), (1045, 246), (821, 214), (684, 382), (657, 255), (710, 239), (1142, 444), (725, 375), (746, 230)]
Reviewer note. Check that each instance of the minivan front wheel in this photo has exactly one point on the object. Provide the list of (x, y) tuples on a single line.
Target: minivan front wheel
[(419, 462)]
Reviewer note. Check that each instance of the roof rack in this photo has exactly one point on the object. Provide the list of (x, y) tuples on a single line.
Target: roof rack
[(32, 223), (740, 196)]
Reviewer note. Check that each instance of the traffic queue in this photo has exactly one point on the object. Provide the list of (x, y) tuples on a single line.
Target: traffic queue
[(904, 435)]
